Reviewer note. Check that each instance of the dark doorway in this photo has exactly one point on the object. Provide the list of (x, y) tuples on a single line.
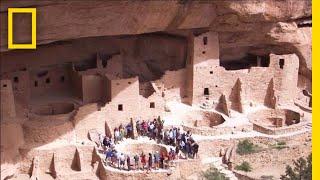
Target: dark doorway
[(281, 63), (16, 79), (206, 91), (205, 40), (120, 107)]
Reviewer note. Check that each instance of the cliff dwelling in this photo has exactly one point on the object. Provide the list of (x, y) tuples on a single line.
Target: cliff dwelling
[(156, 89)]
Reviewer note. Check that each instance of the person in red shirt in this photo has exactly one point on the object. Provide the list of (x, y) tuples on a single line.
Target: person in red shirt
[(143, 160)]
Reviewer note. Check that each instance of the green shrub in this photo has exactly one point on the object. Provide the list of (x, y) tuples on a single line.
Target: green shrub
[(244, 166), (302, 169), (279, 145), (264, 177), (213, 174), (246, 147)]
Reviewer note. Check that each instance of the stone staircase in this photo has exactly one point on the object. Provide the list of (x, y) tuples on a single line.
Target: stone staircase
[(206, 104)]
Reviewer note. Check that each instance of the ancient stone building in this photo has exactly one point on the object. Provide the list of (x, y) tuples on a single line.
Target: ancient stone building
[(225, 71)]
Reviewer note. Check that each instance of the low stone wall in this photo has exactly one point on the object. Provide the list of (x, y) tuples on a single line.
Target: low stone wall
[(54, 109), (57, 117), (263, 116), (210, 119), (46, 129), (277, 131), (183, 169), (276, 121), (60, 161), (216, 130)]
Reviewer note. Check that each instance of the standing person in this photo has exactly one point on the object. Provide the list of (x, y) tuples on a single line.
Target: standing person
[(177, 150), (151, 132), (150, 162), (136, 161), (161, 164), (172, 154), (182, 148), (174, 131), (138, 127), (183, 137), (156, 159), (166, 160), (122, 161), (171, 137), (113, 157), (195, 148), (189, 134), (122, 132), (116, 135), (145, 127), (105, 142), (178, 136), (128, 163), (118, 159), (161, 135), (108, 156), (156, 134), (188, 149), (143, 160), (101, 137), (160, 122)]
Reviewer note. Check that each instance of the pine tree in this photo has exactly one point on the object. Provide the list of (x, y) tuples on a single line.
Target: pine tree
[(302, 170)]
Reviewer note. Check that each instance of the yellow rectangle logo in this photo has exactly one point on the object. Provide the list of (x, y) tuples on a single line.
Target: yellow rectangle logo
[(33, 44)]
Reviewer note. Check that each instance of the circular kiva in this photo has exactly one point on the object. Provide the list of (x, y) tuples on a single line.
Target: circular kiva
[(133, 149), (205, 123), (54, 108), (275, 121)]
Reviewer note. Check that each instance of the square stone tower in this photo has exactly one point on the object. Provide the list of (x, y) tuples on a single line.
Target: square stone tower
[(8, 109), (202, 61)]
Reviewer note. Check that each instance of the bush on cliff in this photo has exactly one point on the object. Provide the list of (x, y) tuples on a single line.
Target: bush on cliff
[(246, 147), (302, 169), (213, 174), (244, 166)]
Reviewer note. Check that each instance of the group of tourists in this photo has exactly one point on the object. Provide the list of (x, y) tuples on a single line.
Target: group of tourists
[(182, 141), (183, 146), (141, 161), (123, 132)]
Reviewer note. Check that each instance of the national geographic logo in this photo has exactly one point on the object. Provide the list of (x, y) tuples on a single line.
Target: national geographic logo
[(11, 44)]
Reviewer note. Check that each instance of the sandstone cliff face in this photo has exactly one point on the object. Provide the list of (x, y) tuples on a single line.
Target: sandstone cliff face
[(248, 26)]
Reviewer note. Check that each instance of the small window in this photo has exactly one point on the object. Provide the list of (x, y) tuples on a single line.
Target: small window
[(48, 80), (152, 105), (62, 79), (129, 82), (203, 52), (36, 84), (120, 107), (16, 79), (5, 85), (211, 72), (205, 40), (206, 91), (281, 63)]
